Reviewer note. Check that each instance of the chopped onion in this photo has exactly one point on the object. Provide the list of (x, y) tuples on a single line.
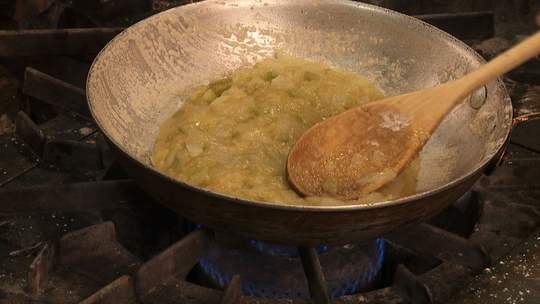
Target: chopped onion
[(194, 149)]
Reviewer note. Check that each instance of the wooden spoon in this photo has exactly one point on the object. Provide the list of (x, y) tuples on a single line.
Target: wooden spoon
[(360, 150)]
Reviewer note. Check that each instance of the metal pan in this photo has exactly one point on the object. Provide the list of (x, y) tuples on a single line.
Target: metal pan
[(143, 75)]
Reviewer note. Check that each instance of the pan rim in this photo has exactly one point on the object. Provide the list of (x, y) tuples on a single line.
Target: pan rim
[(306, 208)]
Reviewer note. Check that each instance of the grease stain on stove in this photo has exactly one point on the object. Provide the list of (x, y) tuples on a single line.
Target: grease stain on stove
[(513, 279), (85, 131)]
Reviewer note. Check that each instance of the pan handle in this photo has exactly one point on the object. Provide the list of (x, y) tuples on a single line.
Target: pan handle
[(525, 93), (526, 106)]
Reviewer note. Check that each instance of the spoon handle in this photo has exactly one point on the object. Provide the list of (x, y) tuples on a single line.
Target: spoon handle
[(503, 63)]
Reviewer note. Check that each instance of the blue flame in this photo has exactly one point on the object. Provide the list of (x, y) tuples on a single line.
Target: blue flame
[(223, 277), (345, 289), (283, 250)]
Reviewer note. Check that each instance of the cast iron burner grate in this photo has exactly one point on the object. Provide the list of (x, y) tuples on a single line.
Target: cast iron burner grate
[(73, 229), (418, 261)]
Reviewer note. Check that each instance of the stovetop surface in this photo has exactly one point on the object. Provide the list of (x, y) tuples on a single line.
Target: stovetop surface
[(51, 199)]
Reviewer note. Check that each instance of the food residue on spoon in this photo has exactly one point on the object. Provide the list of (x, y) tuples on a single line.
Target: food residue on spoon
[(393, 121)]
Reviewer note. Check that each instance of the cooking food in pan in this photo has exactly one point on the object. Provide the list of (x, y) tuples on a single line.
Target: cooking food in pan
[(132, 84), (233, 135)]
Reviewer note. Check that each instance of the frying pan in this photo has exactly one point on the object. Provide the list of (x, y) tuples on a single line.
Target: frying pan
[(144, 74)]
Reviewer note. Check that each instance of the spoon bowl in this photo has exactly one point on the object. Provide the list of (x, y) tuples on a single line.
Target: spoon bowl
[(362, 149)]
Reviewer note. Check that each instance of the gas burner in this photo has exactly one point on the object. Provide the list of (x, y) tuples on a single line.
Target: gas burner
[(283, 250), (275, 271)]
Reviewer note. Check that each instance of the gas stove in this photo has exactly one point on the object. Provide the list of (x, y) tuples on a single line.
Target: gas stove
[(75, 229)]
